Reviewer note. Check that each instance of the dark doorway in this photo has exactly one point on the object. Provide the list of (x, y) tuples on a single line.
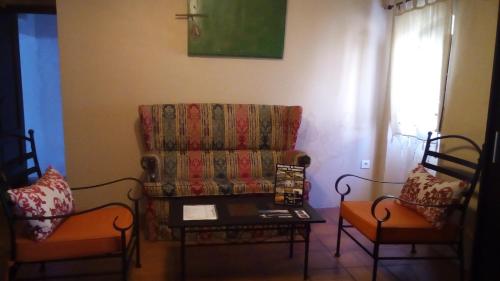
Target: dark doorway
[(40, 76), (30, 95)]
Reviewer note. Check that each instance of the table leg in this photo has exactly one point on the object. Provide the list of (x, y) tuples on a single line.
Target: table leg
[(306, 252), (292, 237), (183, 253)]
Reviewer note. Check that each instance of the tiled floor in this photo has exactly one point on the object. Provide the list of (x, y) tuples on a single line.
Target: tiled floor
[(270, 262)]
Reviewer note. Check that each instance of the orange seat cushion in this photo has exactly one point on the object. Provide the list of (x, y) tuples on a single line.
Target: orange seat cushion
[(404, 225), (78, 236)]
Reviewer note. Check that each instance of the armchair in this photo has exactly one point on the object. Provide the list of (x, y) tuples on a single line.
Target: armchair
[(398, 220), (107, 231)]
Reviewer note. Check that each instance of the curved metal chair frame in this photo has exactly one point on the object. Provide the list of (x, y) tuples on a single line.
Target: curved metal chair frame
[(127, 249), (457, 244)]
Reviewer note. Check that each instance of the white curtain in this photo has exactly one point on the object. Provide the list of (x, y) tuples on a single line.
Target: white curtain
[(419, 60)]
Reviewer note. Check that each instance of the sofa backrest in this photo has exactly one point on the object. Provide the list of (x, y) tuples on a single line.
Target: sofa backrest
[(221, 164), (183, 127)]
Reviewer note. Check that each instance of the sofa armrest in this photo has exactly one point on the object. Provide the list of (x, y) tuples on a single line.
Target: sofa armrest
[(159, 189), (298, 158), (150, 163)]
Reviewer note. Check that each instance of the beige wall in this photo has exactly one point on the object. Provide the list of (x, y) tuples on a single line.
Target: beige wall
[(117, 54), (471, 67)]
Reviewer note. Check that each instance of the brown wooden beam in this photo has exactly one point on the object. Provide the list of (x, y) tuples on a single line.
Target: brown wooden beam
[(29, 6)]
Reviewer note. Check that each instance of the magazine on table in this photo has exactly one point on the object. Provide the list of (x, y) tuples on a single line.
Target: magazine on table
[(268, 214)]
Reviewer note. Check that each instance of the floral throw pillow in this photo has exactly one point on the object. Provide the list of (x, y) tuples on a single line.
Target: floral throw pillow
[(424, 188), (49, 196)]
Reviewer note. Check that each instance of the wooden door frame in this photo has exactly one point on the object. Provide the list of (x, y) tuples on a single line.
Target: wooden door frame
[(15, 70), (486, 255)]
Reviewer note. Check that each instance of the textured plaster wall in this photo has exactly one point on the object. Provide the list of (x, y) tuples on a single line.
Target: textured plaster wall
[(117, 54)]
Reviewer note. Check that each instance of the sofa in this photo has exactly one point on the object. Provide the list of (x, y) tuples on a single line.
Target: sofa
[(213, 150)]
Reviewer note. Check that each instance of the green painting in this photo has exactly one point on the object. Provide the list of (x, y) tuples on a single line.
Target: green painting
[(237, 28)]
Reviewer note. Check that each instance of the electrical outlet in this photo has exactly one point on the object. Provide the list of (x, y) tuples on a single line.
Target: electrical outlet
[(365, 164)]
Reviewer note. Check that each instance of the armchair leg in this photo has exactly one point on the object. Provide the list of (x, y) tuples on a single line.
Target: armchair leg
[(124, 256), (339, 230), (137, 230), (375, 261), (137, 248), (461, 261), (42, 267), (13, 272), (413, 249), (138, 255), (124, 267)]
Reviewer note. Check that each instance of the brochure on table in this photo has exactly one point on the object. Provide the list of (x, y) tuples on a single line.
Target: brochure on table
[(199, 212), (289, 185)]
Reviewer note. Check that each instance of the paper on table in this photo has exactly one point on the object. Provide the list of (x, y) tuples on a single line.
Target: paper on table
[(199, 212)]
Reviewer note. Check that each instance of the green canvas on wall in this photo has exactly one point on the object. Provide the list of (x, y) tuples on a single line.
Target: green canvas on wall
[(237, 28)]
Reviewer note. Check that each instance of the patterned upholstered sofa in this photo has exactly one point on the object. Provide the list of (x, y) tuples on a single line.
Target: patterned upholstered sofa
[(213, 149)]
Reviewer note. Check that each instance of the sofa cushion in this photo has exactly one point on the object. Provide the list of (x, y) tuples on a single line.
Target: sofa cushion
[(196, 186), (168, 127), (231, 164)]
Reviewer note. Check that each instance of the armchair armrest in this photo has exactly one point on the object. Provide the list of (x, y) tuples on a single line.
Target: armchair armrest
[(387, 215), (141, 184), (348, 190), (297, 157)]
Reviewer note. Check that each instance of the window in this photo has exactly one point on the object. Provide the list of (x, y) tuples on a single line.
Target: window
[(419, 63)]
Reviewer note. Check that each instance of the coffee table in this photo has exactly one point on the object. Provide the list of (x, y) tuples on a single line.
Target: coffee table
[(242, 211)]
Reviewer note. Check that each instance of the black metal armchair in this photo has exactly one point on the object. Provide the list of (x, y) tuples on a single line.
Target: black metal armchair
[(383, 221), (107, 231)]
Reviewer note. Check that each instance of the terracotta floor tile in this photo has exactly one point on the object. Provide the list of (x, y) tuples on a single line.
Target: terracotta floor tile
[(404, 251), (354, 258), (426, 271), (314, 245), (364, 273), (328, 228), (284, 277), (322, 260), (331, 214), (346, 243), (336, 274)]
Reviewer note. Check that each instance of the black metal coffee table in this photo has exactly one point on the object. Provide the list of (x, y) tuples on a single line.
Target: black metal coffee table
[(243, 211)]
